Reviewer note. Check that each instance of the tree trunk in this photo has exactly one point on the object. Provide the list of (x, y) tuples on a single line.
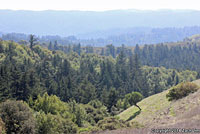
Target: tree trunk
[(138, 107)]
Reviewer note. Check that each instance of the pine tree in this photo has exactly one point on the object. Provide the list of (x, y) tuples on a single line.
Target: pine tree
[(50, 47), (16, 83), (32, 40), (113, 96), (5, 82)]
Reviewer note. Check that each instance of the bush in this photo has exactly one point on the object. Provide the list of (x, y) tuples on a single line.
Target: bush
[(49, 104), (17, 117), (112, 123), (181, 90), (96, 110), (54, 124), (78, 112)]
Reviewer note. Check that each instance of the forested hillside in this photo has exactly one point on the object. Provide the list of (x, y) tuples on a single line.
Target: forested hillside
[(182, 55), (52, 68), (76, 90)]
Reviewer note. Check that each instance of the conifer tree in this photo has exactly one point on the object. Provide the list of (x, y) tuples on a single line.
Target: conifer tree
[(32, 40)]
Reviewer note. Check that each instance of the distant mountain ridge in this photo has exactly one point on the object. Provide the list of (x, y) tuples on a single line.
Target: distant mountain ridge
[(117, 37), (65, 23), (143, 36)]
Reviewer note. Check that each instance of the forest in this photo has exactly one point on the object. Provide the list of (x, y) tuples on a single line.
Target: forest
[(183, 55), (48, 88)]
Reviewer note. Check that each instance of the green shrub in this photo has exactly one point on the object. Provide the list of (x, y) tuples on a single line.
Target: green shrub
[(98, 110), (54, 124), (181, 90), (112, 123), (78, 112), (49, 104), (18, 117)]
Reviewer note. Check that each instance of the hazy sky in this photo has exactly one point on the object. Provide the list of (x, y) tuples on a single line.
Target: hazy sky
[(98, 5)]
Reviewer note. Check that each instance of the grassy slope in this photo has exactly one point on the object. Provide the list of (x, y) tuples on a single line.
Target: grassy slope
[(157, 110), (150, 106)]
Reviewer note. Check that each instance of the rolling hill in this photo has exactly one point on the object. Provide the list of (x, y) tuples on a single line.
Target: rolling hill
[(158, 112), (65, 23)]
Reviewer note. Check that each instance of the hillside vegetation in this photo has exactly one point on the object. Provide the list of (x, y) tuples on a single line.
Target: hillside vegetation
[(77, 91), (169, 55), (158, 112)]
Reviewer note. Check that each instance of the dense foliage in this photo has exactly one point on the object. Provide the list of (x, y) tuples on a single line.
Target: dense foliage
[(181, 90), (74, 91), (18, 118), (112, 123), (181, 55), (178, 56), (81, 77), (53, 116), (169, 55)]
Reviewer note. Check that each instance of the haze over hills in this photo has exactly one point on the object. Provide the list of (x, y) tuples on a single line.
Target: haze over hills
[(99, 67), (117, 37), (65, 23), (93, 84)]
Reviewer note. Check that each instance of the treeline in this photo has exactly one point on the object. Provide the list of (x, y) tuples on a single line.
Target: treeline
[(178, 57), (181, 56), (130, 36)]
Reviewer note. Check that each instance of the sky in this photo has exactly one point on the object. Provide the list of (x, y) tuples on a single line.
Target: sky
[(98, 5)]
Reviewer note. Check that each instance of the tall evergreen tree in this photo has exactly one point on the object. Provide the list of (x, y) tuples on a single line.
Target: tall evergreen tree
[(32, 40)]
